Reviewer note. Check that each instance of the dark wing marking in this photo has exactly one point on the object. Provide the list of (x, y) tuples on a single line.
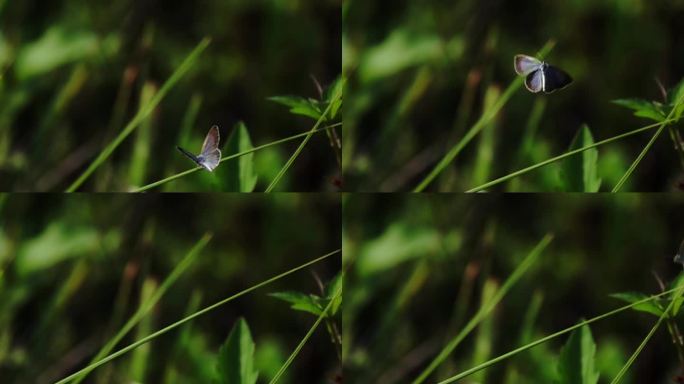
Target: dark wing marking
[(555, 78)]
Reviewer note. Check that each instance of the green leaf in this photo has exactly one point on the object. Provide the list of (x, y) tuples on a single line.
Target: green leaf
[(401, 50), (580, 173), (302, 302), (59, 46), (241, 176), (576, 361), (330, 290), (336, 86), (300, 106), (236, 357), (60, 242), (675, 94), (632, 297), (402, 242), (676, 282), (643, 108)]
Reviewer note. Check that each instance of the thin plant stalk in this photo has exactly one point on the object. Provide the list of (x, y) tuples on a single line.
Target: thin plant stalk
[(479, 125), (142, 114), (233, 156), (563, 156), (148, 304), (552, 336), (294, 156), (666, 313), (186, 319), (486, 308), (648, 146), (294, 353)]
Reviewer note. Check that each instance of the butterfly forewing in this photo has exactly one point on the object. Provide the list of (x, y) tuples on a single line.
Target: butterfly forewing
[(524, 65), (555, 78), (211, 142)]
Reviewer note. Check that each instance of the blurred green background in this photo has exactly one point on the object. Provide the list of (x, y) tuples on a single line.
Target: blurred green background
[(418, 266), (72, 270), (74, 73), (421, 73)]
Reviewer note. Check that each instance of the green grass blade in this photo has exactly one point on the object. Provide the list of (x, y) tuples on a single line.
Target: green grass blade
[(479, 125), (486, 308), (142, 114), (641, 346), (563, 156), (294, 353), (333, 101), (233, 156), (149, 304), (186, 319), (552, 336), (142, 141), (648, 146)]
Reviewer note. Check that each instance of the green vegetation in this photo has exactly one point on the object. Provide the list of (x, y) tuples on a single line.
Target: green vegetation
[(114, 288), (433, 102), (457, 289), (96, 96)]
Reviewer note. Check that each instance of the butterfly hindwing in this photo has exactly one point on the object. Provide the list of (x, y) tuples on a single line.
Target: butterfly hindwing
[(211, 159), (534, 82)]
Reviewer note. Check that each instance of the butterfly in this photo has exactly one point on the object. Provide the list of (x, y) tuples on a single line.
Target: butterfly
[(210, 155), (540, 76)]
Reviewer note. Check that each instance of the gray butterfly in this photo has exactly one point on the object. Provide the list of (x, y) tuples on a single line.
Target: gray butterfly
[(540, 76), (210, 155)]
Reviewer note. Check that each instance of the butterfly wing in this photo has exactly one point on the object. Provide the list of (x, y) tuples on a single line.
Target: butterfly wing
[(211, 142), (210, 160), (534, 82), (555, 78), (524, 65)]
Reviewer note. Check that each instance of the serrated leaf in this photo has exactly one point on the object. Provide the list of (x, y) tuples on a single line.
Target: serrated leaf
[(236, 357), (632, 297), (580, 173), (241, 176), (643, 108), (576, 361), (299, 105), (302, 302)]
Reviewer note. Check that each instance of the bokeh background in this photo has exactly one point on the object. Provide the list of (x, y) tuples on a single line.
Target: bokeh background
[(420, 74), (73, 73), (72, 270), (417, 267)]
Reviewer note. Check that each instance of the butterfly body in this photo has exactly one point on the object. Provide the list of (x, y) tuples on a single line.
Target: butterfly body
[(539, 75), (210, 155)]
